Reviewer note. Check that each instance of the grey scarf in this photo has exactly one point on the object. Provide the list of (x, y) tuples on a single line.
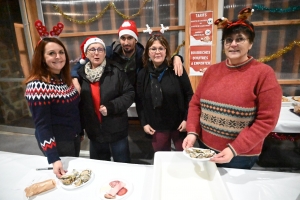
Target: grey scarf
[(94, 75)]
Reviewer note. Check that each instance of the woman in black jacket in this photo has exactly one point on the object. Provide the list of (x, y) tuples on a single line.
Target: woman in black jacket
[(106, 94), (162, 97)]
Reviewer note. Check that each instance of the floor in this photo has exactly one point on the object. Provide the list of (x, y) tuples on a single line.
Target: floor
[(278, 156)]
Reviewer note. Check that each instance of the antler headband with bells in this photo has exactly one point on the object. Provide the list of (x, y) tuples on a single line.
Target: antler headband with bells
[(149, 30), (42, 30), (244, 14)]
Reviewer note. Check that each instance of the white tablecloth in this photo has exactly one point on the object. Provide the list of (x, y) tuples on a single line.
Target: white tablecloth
[(288, 122), (18, 171)]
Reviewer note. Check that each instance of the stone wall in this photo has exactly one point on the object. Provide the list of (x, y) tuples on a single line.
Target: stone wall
[(13, 105)]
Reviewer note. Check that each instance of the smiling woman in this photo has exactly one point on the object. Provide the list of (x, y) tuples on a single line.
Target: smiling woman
[(232, 101), (55, 57), (53, 102)]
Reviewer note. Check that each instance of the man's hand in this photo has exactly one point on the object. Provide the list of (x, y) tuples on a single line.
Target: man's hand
[(76, 84), (178, 68)]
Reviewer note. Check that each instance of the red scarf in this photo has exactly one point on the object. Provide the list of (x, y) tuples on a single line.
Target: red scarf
[(95, 89)]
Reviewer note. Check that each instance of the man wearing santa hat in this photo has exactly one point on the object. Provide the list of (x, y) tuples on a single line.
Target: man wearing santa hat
[(127, 54)]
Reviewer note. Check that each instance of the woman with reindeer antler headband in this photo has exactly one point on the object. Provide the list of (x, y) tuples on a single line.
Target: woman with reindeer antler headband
[(238, 100), (162, 96), (53, 100)]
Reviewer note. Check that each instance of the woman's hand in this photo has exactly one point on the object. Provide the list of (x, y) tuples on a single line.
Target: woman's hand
[(103, 110), (58, 169), (189, 141), (182, 126), (224, 156), (178, 68), (76, 84), (149, 130)]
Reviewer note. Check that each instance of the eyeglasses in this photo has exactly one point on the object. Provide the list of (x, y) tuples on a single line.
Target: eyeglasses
[(238, 40), (153, 50), (99, 49)]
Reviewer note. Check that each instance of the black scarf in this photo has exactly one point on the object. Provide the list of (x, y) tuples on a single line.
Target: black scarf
[(155, 78)]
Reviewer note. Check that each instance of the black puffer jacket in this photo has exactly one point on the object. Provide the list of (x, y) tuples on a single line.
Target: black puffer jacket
[(117, 94)]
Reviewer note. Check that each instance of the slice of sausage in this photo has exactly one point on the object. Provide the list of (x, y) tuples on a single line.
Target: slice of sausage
[(122, 191)]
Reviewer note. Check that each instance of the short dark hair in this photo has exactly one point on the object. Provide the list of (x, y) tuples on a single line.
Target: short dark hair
[(240, 28)]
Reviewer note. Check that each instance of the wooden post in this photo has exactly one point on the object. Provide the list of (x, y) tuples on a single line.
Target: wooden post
[(32, 15), (195, 6)]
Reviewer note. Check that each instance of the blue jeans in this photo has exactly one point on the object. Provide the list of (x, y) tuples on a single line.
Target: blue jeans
[(240, 162), (119, 150)]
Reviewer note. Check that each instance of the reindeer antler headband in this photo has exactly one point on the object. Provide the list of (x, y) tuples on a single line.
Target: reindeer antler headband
[(42, 30), (149, 30), (242, 16)]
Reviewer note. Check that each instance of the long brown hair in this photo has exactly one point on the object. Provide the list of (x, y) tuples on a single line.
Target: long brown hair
[(40, 70), (163, 41)]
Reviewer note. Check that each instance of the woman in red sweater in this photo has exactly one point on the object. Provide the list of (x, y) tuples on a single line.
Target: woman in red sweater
[(238, 101)]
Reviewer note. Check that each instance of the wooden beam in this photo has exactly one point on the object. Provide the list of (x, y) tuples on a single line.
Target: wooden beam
[(111, 32), (289, 81), (276, 22)]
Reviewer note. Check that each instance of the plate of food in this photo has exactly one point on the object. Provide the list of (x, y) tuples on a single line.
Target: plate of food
[(115, 189), (198, 154), (296, 98), (76, 179), (286, 101)]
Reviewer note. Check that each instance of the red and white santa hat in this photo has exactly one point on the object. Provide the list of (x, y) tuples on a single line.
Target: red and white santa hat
[(128, 27), (86, 43)]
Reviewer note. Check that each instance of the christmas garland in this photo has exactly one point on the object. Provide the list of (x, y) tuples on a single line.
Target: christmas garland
[(178, 48), (280, 52), (276, 10), (99, 15)]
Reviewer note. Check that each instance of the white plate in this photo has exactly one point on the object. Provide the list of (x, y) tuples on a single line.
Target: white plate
[(196, 159), (72, 186), (105, 187), (286, 103)]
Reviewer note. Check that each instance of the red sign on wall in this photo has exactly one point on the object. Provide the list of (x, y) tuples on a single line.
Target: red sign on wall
[(200, 42)]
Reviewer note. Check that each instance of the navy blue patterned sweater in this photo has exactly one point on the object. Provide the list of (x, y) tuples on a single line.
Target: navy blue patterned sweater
[(55, 111)]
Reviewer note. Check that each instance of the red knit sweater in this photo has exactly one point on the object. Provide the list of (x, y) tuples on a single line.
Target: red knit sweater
[(236, 106)]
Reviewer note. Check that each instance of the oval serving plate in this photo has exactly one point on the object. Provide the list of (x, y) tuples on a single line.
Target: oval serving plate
[(196, 159), (72, 186)]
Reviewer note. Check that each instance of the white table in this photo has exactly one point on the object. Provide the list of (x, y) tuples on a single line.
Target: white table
[(288, 122), (18, 169)]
